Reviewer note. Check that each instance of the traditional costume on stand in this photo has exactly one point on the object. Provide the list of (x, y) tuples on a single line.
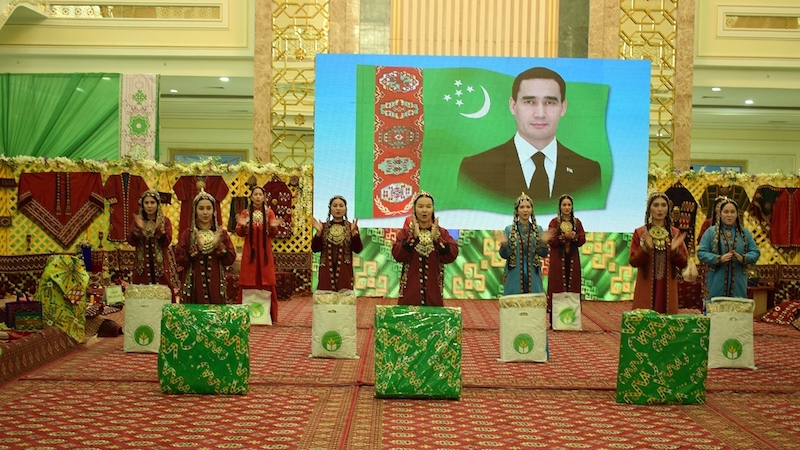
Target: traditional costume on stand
[(523, 253), (123, 192), (657, 277), (565, 257), (189, 186), (423, 259), (785, 229), (154, 263), (762, 204), (684, 210), (336, 245), (204, 266), (62, 203), (278, 198), (258, 263)]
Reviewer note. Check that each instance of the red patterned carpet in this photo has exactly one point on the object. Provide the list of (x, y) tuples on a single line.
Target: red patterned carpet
[(298, 402)]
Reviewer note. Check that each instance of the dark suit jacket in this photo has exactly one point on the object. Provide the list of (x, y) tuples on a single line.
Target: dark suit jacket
[(497, 170)]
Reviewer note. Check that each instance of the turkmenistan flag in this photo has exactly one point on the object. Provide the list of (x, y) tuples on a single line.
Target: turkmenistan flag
[(414, 126)]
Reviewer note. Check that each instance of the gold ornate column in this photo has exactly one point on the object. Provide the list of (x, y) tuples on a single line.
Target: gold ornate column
[(262, 80), (663, 33)]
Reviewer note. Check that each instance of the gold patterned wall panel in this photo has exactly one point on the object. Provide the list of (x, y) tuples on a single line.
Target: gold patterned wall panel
[(300, 31), (475, 27), (659, 31)]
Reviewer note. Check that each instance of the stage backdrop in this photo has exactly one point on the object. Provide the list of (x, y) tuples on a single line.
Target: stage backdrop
[(388, 126)]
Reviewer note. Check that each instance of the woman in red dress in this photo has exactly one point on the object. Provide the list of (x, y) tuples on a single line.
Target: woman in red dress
[(204, 251), (337, 239), (257, 225), (658, 251), (423, 248), (151, 235), (565, 256)]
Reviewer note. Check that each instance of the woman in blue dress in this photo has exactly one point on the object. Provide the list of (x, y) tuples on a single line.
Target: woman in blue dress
[(523, 245), (727, 249)]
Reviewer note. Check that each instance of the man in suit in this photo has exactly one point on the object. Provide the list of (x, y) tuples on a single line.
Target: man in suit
[(533, 161)]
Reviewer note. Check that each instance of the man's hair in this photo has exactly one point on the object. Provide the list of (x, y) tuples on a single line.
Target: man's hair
[(539, 73)]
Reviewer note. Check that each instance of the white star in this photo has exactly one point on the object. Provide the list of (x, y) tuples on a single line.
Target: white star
[(470, 89), (458, 83), (458, 92), (459, 102), (447, 97)]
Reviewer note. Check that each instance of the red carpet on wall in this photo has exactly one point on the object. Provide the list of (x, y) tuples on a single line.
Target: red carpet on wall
[(101, 397)]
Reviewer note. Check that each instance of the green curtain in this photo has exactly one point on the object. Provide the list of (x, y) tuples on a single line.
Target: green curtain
[(70, 115)]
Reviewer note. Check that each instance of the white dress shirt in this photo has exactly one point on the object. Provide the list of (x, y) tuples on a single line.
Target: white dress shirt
[(525, 151)]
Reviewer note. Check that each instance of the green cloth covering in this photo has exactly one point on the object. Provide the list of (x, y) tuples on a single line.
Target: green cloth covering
[(205, 349), (417, 352), (662, 358), (62, 291)]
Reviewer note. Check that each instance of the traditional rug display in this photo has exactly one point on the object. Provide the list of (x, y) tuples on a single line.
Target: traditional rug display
[(298, 402)]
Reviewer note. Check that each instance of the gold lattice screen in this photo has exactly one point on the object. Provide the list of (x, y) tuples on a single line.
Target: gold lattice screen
[(696, 183), (647, 30), (13, 240)]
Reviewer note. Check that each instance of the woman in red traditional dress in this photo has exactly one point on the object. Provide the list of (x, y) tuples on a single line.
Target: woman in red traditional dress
[(658, 251), (204, 251), (565, 256), (151, 235), (337, 239), (423, 248), (257, 225)]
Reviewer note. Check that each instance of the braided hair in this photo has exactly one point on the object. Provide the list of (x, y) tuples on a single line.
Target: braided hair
[(264, 229)]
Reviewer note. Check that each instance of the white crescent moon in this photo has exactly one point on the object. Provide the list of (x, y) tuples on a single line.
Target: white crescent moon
[(487, 102)]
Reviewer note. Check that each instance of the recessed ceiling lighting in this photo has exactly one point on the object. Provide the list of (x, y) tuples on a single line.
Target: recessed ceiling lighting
[(223, 78), (106, 78), (716, 89), (174, 91), (748, 102)]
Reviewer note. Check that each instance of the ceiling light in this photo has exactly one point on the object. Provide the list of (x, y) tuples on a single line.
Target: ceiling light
[(223, 78), (716, 89), (174, 91), (748, 102), (106, 78)]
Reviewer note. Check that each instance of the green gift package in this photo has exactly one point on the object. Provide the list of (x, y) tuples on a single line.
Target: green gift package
[(205, 349), (662, 358), (417, 352)]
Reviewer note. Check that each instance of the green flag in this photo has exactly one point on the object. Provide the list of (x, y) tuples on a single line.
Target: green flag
[(465, 111)]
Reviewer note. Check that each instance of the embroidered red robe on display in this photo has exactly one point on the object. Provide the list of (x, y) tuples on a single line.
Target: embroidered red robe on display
[(122, 192), (62, 203)]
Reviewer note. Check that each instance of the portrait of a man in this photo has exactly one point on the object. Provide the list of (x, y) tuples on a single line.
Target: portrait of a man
[(532, 161)]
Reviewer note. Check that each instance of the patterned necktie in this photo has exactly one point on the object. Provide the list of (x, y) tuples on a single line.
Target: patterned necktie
[(540, 184)]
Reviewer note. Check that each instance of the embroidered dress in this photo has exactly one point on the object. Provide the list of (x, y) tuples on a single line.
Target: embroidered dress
[(423, 259), (523, 254), (336, 246), (727, 279), (153, 265), (204, 268), (785, 229), (658, 271), (258, 263), (565, 259)]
